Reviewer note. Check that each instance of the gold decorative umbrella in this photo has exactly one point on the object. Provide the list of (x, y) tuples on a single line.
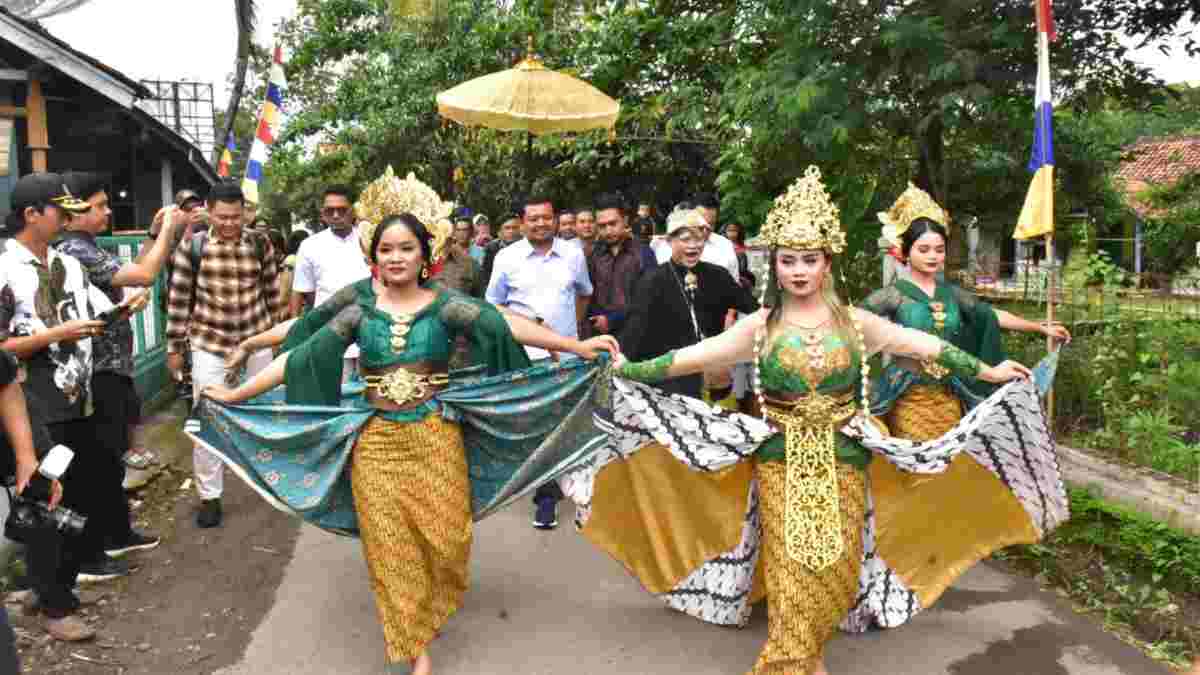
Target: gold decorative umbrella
[(529, 97)]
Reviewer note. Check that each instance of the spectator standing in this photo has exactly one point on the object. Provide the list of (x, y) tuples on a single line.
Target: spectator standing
[(459, 270), (47, 307), (189, 217), (483, 230), (483, 237), (222, 292), (287, 271), (566, 225), (545, 279), (117, 405), (614, 267), (585, 229), (717, 249), (329, 261), (681, 302), (510, 231)]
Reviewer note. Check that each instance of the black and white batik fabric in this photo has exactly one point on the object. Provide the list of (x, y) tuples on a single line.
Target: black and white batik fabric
[(1007, 434)]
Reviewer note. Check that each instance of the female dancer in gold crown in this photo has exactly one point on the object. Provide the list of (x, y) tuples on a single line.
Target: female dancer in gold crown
[(402, 480), (810, 352), (922, 404)]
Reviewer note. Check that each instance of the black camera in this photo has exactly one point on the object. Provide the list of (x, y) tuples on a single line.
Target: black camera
[(30, 512)]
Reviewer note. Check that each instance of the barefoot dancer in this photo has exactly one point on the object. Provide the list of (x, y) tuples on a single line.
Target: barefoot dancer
[(411, 487), (967, 513), (811, 511)]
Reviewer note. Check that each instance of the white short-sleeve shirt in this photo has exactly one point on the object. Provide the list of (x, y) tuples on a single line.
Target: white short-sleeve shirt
[(327, 263)]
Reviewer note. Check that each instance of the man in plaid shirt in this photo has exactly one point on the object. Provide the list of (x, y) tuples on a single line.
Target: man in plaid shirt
[(223, 290)]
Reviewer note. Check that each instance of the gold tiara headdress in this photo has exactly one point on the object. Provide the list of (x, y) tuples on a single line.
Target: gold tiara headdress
[(805, 217), (389, 195), (913, 203)]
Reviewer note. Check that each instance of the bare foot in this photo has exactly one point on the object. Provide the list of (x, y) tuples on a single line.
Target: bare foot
[(424, 665)]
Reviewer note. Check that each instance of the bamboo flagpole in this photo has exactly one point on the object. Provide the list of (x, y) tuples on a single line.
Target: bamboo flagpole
[(1037, 214)]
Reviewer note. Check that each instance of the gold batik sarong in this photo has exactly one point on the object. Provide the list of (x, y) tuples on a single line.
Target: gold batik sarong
[(805, 607), (932, 528), (413, 501)]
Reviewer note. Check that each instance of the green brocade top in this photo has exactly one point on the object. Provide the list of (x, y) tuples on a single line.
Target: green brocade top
[(314, 377), (969, 324), (787, 369)]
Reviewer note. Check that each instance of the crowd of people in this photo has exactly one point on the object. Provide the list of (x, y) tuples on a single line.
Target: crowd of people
[(415, 294)]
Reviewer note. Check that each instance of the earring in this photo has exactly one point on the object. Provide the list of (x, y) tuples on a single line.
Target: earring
[(424, 272)]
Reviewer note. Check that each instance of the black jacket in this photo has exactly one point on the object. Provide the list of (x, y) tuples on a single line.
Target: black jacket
[(658, 319)]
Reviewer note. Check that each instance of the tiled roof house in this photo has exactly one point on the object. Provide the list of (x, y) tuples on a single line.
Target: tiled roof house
[(1158, 161)]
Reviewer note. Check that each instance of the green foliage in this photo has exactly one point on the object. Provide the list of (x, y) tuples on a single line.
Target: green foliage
[(740, 95), (1140, 542), (1100, 271), (1172, 228), (1134, 572)]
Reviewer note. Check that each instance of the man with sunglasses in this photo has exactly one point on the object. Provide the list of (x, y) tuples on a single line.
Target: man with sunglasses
[(330, 260)]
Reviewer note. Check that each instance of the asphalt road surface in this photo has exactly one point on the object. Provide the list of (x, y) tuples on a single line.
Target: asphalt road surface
[(551, 603)]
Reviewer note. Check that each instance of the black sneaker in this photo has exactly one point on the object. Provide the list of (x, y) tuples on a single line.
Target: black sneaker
[(102, 570), (546, 514), (135, 542), (209, 514)]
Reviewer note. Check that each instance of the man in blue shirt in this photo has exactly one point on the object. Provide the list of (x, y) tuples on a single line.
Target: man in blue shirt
[(545, 279)]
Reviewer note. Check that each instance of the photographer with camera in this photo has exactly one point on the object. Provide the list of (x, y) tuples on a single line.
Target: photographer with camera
[(46, 321), (117, 405), (18, 461)]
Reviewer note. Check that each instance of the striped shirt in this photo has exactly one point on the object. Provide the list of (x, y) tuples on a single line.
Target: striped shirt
[(235, 294)]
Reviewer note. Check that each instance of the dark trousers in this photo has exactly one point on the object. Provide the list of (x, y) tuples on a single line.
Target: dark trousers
[(8, 646), (92, 488), (117, 409)]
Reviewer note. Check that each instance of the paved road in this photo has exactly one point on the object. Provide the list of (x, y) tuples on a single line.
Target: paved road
[(550, 603)]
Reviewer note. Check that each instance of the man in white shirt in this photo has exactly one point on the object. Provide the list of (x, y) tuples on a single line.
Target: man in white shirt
[(542, 277), (546, 279), (329, 261), (718, 250)]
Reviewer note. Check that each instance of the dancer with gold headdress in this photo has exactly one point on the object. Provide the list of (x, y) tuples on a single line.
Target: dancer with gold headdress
[(396, 466), (806, 504), (971, 511)]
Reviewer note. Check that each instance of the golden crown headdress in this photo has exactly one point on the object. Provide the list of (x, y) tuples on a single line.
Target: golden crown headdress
[(913, 203), (389, 195), (805, 217)]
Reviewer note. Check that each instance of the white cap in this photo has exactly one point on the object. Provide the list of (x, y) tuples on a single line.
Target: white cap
[(681, 218)]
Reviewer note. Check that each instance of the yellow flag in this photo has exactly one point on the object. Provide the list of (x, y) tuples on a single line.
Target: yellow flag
[(1037, 215)]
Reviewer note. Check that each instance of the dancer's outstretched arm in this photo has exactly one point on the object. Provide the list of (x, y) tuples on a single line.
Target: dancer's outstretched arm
[(266, 379), (735, 345)]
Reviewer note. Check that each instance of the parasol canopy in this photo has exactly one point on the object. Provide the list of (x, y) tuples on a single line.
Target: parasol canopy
[(529, 97)]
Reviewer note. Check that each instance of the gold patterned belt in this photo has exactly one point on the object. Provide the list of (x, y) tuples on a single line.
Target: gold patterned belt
[(813, 524), (404, 386)]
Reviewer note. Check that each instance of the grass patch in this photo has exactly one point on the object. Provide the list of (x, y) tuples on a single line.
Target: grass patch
[(1140, 577)]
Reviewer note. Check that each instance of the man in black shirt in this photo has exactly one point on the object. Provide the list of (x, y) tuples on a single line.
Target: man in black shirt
[(681, 302)]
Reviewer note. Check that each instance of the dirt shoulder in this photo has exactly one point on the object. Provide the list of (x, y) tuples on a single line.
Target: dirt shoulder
[(190, 605)]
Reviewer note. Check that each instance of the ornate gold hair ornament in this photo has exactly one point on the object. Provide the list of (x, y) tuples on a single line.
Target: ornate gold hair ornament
[(913, 203), (805, 217), (389, 195)]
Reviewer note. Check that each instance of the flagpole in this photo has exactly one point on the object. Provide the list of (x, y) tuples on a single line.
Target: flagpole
[(1050, 288)]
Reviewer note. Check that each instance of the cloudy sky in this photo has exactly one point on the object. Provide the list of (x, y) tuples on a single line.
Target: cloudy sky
[(173, 40)]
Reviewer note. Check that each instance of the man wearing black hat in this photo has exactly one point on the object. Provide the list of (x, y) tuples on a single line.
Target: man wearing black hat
[(47, 307), (118, 407)]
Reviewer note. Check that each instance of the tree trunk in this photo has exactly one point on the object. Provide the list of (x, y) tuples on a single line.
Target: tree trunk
[(245, 25), (933, 177)]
